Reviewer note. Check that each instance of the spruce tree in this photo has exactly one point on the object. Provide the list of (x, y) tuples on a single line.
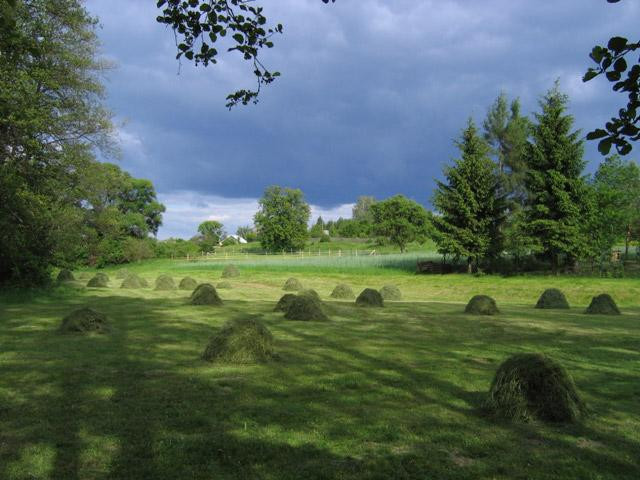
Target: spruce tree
[(557, 195), (471, 204)]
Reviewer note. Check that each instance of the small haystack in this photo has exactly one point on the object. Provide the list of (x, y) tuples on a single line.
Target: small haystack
[(552, 298), (122, 274), (603, 304), (310, 292), (85, 320), (482, 305), (390, 292), (224, 285), (241, 341), (165, 282), (305, 308), (65, 275), (230, 271), (133, 281), (99, 280), (343, 292), (284, 302), (292, 285), (370, 297), (187, 283), (205, 294), (533, 386)]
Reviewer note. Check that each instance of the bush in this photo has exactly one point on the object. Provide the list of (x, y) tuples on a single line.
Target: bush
[(65, 275), (230, 271), (533, 386), (136, 249), (187, 283), (205, 294), (370, 298), (305, 308), (133, 281), (343, 291), (224, 285), (390, 292), (482, 305), (292, 285), (85, 320), (552, 298), (165, 282), (603, 304), (241, 341), (99, 280)]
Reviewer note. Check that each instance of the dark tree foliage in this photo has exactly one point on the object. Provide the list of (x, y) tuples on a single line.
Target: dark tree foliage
[(282, 219), (612, 62), (400, 220)]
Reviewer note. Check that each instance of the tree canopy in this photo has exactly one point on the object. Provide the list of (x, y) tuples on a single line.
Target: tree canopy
[(400, 220), (282, 219)]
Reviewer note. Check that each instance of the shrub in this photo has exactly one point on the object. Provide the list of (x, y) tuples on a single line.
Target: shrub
[(284, 302), (99, 280), (65, 275), (342, 291), (187, 283), (305, 308), (482, 305), (533, 386), (370, 298), (224, 285), (133, 281), (85, 320), (390, 292), (205, 294), (603, 304), (241, 341), (292, 285), (165, 282), (230, 271), (552, 298)]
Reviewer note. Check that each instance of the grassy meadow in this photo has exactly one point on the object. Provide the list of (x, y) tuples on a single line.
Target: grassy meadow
[(372, 394)]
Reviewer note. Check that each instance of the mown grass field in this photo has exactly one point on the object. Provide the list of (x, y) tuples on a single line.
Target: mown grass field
[(372, 394)]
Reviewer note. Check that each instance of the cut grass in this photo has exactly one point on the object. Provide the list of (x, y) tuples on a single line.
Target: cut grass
[(375, 393)]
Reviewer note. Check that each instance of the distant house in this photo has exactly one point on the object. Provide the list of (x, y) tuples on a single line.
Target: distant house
[(234, 238), (325, 232)]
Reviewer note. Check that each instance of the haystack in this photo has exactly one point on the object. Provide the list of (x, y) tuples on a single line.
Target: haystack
[(230, 271), (85, 320), (292, 285), (241, 341), (310, 292), (533, 386), (205, 294), (482, 305), (99, 280), (284, 302), (165, 282), (603, 304), (552, 298), (122, 273), (370, 297), (187, 283), (305, 308), (224, 285), (390, 292), (65, 275), (133, 281), (343, 291)]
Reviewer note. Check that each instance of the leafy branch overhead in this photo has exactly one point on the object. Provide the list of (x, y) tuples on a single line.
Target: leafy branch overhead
[(200, 24), (612, 63)]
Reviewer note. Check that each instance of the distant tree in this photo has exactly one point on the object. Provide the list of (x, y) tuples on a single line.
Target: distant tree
[(470, 203), (248, 233), (400, 220), (317, 230), (282, 219), (211, 232), (557, 205), (362, 209)]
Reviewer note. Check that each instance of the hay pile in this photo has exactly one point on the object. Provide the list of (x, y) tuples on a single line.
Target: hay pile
[(343, 291), (552, 298), (390, 292), (205, 294), (292, 285), (224, 285), (482, 305), (370, 298), (241, 341), (533, 386), (133, 281), (230, 271), (187, 283), (122, 273), (603, 304), (99, 280), (65, 275), (85, 320), (305, 308), (165, 282), (310, 292), (284, 302)]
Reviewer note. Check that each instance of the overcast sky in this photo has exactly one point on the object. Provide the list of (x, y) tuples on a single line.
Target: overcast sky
[(372, 95)]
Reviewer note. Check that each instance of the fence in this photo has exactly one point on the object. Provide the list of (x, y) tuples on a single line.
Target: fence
[(239, 254)]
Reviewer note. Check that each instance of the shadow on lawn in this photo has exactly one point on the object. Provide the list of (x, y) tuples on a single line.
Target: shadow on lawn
[(136, 404)]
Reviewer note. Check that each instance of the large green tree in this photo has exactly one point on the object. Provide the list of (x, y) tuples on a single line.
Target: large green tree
[(470, 203), (557, 208), (282, 219), (400, 220)]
